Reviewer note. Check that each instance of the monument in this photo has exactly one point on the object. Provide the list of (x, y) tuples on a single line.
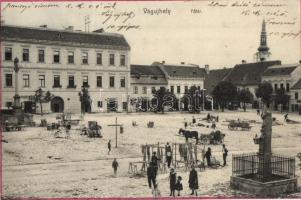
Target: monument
[(16, 116), (263, 173)]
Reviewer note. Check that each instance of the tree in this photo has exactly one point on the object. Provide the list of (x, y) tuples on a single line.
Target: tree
[(84, 98), (193, 99), (42, 97), (281, 98), (163, 97), (245, 96), (224, 93), (265, 91)]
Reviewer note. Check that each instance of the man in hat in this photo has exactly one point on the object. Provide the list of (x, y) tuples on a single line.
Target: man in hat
[(168, 154), (172, 182), (154, 160), (151, 175)]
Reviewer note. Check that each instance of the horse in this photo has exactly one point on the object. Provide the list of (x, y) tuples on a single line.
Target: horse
[(189, 134)]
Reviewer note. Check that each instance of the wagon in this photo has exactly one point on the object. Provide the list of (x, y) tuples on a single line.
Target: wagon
[(239, 125), (215, 137), (93, 129)]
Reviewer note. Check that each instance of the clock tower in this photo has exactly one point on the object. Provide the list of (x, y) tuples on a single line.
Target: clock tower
[(263, 50)]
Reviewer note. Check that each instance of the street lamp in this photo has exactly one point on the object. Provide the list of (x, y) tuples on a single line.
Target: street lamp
[(204, 99)]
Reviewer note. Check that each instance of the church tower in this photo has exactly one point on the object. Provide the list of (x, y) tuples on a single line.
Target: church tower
[(263, 50)]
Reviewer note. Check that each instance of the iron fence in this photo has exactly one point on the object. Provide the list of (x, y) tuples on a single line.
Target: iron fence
[(257, 167)]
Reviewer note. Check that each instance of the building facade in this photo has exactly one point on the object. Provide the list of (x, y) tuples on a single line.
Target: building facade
[(145, 79), (248, 76), (295, 99), (284, 77), (176, 78), (62, 62)]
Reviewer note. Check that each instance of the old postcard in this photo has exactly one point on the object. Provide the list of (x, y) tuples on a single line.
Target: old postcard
[(151, 99)]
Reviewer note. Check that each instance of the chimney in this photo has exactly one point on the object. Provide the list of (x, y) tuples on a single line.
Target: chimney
[(243, 62), (207, 69), (163, 62), (182, 63), (43, 26)]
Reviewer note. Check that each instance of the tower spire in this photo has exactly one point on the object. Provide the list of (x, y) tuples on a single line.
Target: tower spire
[(263, 50)]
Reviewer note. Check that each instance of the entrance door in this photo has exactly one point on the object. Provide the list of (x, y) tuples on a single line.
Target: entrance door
[(112, 105), (57, 104)]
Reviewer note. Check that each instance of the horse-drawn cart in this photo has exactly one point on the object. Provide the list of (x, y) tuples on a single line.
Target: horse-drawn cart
[(215, 137), (239, 125), (93, 129)]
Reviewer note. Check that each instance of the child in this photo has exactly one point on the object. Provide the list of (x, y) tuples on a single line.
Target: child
[(179, 185)]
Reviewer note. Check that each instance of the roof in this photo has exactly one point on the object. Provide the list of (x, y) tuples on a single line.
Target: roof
[(183, 71), (148, 70), (249, 73), (297, 85), (280, 70), (214, 77), (60, 36)]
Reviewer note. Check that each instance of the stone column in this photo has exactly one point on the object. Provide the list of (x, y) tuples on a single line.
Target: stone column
[(265, 147), (17, 103)]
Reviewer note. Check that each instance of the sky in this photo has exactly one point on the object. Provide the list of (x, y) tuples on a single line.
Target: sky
[(217, 33)]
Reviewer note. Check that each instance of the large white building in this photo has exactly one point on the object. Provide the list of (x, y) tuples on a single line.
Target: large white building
[(177, 78), (284, 76), (62, 61)]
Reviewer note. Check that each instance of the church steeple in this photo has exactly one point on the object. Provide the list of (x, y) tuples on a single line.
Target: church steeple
[(263, 50)]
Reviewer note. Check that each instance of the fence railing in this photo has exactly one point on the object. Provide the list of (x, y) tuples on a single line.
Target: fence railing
[(255, 166)]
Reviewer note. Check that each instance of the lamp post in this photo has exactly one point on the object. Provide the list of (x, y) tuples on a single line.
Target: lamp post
[(17, 103), (204, 99)]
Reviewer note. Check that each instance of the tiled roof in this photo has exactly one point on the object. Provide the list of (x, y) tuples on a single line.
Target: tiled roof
[(214, 77), (183, 71), (146, 70), (297, 85), (61, 36), (280, 70), (249, 73)]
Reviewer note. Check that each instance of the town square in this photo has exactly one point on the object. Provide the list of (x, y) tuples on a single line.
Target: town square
[(138, 100)]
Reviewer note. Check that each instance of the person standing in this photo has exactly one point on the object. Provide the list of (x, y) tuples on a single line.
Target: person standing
[(151, 175), (168, 154), (285, 117), (154, 160), (193, 181), (208, 157), (172, 182), (225, 154), (193, 120), (179, 185), (109, 147), (115, 166)]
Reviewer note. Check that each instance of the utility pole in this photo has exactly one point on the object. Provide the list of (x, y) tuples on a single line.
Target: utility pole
[(116, 131)]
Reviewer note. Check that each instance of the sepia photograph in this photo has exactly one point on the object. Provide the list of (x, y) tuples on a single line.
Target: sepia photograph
[(168, 99)]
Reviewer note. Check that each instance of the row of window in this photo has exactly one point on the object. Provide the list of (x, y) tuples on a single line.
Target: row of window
[(56, 57), (172, 88), (57, 81), (282, 86)]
